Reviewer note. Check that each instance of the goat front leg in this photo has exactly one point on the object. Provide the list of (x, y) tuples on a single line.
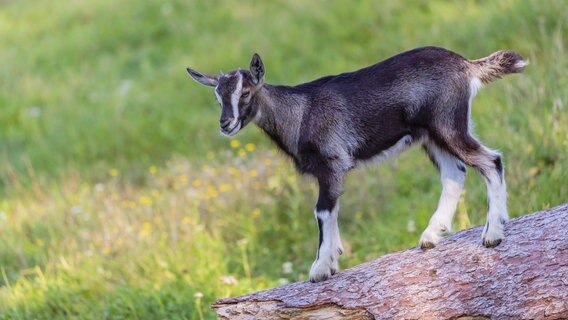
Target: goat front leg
[(326, 212)]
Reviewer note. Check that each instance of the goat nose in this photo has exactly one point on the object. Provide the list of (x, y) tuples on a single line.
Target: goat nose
[(225, 122)]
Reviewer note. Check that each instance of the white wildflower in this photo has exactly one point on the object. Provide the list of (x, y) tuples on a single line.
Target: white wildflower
[(287, 267), (410, 225)]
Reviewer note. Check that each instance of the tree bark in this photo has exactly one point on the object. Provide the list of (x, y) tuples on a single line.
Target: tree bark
[(526, 277)]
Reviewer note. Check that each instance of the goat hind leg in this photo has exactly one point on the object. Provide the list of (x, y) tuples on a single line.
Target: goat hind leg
[(497, 215), (489, 163)]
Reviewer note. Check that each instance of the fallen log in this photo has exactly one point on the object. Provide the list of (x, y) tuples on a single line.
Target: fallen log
[(526, 277)]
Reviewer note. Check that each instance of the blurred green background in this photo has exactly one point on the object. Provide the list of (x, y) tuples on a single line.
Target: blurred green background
[(119, 198)]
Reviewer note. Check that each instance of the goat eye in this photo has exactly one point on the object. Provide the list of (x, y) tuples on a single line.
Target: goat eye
[(245, 94)]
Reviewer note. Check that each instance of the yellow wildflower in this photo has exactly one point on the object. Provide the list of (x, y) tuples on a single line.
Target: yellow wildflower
[(186, 220), (113, 172), (145, 201), (234, 171), (253, 173), (235, 143), (250, 147), (224, 187), (196, 183), (146, 229), (210, 155), (256, 213), (212, 192), (242, 152)]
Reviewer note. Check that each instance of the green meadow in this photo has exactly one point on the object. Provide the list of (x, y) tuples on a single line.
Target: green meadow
[(119, 199)]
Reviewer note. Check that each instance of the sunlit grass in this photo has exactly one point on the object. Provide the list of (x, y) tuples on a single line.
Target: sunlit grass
[(188, 233), (119, 199)]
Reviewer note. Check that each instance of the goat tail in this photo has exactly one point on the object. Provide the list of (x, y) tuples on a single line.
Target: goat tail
[(498, 64)]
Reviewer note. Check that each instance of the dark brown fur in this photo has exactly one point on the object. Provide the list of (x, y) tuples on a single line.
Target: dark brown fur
[(329, 125)]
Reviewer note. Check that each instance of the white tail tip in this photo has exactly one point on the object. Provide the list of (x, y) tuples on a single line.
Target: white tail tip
[(521, 64)]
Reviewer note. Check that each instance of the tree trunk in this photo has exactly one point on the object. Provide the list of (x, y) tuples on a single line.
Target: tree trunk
[(526, 277)]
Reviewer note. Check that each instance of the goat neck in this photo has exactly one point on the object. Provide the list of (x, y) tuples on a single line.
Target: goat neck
[(280, 113)]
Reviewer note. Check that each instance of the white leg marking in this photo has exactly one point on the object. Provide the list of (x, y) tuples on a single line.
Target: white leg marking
[(326, 264), (497, 214), (452, 173)]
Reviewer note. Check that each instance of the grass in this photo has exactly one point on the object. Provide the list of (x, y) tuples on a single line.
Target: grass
[(119, 199)]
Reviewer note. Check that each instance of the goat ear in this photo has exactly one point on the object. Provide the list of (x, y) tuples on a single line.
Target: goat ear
[(257, 69), (207, 80)]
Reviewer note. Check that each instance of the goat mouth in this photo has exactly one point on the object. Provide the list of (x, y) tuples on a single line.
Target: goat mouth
[(231, 132)]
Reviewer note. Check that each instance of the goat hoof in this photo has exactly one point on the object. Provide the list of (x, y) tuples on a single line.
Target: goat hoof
[(430, 238), (320, 271), (492, 244), (492, 235), (323, 268), (319, 277), (427, 245)]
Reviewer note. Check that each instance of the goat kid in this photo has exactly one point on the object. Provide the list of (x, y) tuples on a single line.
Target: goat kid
[(328, 126)]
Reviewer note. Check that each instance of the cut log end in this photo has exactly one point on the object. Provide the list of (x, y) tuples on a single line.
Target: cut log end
[(525, 277)]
